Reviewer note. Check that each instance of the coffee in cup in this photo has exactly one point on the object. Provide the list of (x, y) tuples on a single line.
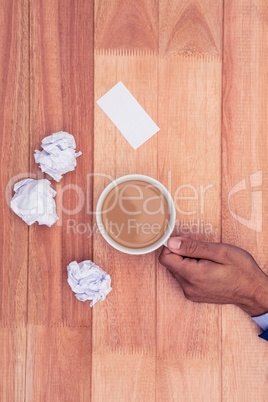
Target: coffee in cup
[(136, 214)]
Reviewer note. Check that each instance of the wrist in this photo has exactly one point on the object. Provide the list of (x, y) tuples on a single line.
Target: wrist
[(261, 305), (257, 304)]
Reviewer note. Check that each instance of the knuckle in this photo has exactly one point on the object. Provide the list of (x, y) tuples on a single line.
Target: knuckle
[(232, 253), (247, 255), (225, 253), (167, 261), (204, 245), (192, 247)]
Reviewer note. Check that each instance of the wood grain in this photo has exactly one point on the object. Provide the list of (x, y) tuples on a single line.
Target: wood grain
[(61, 99), (190, 28), (58, 366), (189, 334), (126, 25), (245, 124), (12, 364), (46, 117), (124, 325), (14, 142), (14, 166), (189, 64), (61, 62)]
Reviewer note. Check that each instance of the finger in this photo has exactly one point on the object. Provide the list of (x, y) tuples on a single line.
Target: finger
[(188, 247), (176, 264), (164, 255)]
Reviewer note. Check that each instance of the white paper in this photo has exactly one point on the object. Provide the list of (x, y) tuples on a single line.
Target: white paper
[(33, 202), (89, 281), (58, 156), (128, 115)]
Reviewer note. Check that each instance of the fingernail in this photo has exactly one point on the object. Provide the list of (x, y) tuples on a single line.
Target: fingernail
[(174, 243)]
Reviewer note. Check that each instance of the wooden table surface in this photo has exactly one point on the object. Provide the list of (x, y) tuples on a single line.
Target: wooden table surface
[(200, 69)]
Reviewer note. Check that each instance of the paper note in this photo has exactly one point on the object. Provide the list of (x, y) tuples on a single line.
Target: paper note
[(128, 115)]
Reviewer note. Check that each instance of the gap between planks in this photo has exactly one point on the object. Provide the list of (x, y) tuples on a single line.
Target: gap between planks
[(182, 56)]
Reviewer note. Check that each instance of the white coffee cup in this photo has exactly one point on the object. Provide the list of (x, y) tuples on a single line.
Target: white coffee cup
[(172, 212)]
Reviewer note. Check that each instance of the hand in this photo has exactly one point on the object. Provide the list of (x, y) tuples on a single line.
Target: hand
[(217, 273)]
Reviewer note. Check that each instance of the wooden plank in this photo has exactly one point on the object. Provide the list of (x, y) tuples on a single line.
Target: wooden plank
[(126, 25), (59, 326), (57, 364), (14, 166), (124, 325), (14, 142), (12, 364), (61, 99), (190, 28), (189, 334), (76, 39), (245, 124)]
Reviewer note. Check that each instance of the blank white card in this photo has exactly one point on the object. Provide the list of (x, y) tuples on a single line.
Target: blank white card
[(128, 115)]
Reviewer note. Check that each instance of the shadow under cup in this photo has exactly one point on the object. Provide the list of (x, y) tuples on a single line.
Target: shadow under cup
[(135, 214)]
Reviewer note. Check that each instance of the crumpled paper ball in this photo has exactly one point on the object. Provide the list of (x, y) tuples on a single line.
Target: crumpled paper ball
[(33, 202), (89, 281), (58, 156)]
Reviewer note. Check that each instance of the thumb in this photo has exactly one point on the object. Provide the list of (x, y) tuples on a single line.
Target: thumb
[(188, 247)]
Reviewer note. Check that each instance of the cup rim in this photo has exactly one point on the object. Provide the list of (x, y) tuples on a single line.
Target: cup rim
[(159, 242)]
